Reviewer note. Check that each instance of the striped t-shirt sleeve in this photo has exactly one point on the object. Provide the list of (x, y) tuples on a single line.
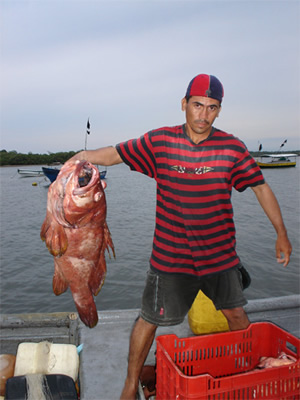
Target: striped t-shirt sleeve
[(138, 155)]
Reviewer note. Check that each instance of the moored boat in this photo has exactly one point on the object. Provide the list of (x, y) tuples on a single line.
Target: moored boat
[(103, 174), (277, 161), (28, 173), (51, 173)]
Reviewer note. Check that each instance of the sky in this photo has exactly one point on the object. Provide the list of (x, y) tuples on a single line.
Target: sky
[(126, 65)]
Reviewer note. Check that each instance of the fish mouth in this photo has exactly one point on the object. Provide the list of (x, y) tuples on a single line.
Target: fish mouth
[(85, 176)]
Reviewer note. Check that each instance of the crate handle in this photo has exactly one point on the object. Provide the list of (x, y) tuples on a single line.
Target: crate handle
[(291, 347)]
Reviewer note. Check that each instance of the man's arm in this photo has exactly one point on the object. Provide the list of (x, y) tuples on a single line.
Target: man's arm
[(106, 156), (271, 208)]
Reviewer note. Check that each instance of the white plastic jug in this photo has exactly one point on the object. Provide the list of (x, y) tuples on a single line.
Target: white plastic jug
[(47, 358)]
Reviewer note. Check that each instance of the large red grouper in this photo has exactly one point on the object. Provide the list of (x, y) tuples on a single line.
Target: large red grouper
[(76, 234)]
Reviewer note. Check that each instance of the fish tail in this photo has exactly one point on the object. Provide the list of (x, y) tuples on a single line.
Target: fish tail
[(88, 314), (84, 302)]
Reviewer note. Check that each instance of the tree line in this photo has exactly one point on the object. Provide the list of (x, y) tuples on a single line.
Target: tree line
[(15, 158)]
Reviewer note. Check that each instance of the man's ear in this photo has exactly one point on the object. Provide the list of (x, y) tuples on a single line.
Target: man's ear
[(183, 104)]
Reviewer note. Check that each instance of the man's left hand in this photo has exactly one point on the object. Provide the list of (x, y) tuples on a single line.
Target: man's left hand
[(283, 250)]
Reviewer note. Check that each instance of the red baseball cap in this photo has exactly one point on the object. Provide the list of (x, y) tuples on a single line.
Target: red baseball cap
[(206, 86)]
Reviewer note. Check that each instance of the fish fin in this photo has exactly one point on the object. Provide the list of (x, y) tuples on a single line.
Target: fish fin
[(108, 243), (44, 228), (55, 237), (59, 283)]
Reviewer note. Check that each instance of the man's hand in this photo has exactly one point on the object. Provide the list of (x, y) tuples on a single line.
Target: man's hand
[(283, 249), (78, 156)]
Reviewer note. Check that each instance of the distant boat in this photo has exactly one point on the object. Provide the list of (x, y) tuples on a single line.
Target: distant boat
[(277, 161), (103, 174), (27, 173), (51, 173)]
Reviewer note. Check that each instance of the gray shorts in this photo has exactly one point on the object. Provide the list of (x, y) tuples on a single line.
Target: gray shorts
[(167, 298)]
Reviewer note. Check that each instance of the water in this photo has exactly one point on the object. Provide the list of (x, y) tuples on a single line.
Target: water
[(27, 267)]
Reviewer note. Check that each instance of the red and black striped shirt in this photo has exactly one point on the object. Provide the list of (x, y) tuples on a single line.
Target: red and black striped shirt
[(194, 232)]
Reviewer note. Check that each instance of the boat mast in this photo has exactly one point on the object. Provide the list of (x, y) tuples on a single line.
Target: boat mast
[(87, 132)]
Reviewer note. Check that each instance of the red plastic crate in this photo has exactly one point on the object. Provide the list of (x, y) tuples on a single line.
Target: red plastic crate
[(222, 366)]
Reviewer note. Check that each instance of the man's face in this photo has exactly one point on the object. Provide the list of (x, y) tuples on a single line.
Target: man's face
[(200, 115)]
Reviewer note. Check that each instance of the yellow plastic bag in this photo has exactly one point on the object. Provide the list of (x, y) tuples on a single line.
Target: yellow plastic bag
[(203, 317)]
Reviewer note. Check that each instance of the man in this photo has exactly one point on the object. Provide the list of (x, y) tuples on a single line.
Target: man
[(195, 166)]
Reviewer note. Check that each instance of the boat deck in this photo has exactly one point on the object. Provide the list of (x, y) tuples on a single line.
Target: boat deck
[(103, 360), (105, 347)]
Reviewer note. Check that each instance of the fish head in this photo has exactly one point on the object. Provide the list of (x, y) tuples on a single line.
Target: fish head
[(84, 199)]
